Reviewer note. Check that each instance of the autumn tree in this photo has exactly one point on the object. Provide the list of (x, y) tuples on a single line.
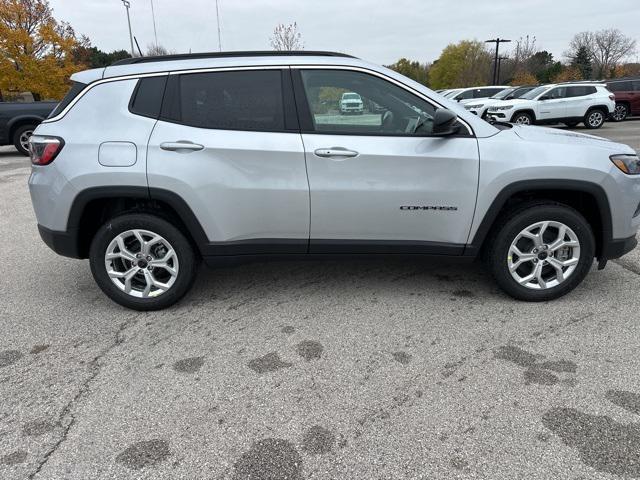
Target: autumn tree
[(286, 38), (464, 64), (414, 70), (524, 78), (568, 74), (36, 50)]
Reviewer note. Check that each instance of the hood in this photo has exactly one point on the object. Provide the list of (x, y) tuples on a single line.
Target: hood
[(555, 135), (510, 103)]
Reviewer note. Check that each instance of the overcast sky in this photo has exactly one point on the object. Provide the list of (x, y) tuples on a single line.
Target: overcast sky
[(380, 31)]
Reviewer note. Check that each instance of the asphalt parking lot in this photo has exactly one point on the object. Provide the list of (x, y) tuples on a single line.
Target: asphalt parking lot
[(340, 370)]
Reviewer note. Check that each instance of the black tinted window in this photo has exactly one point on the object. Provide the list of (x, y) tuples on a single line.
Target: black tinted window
[(580, 91), (73, 92), (147, 97), (621, 86), (247, 100), (636, 85), (560, 92), (464, 95)]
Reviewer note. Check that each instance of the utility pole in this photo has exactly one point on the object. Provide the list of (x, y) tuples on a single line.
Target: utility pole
[(497, 41), (153, 17), (499, 67), (218, 18), (126, 6)]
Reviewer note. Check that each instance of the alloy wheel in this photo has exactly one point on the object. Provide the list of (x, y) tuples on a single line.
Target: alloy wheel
[(141, 263), (523, 120), (24, 139), (596, 118), (544, 255), (620, 113)]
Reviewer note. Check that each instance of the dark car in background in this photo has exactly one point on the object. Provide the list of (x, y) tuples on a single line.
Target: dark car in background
[(627, 92), (18, 120)]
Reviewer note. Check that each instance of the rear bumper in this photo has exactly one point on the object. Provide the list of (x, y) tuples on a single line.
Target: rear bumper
[(63, 243)]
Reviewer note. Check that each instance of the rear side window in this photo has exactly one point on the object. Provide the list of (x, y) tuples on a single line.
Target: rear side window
[(245, 100), (487, 92), (73, 92), (621, 86), (147, 97)]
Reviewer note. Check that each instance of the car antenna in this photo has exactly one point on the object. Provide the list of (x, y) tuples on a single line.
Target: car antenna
[(138, 45)]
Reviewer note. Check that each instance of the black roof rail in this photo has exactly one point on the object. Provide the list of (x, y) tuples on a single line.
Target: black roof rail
[(258, 53)]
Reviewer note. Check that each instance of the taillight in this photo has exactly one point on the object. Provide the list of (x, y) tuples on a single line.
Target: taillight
[(44, 149)]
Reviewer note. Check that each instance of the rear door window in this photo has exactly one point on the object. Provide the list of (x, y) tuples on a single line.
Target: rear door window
[(621, 86), (241, 100), (147, 97)]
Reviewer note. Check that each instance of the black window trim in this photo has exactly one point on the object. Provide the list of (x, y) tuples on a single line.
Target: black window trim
[(305, 116), (291, 122)]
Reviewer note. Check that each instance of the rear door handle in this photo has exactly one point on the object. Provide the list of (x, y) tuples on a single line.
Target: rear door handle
[(335, 152), (181, 146)]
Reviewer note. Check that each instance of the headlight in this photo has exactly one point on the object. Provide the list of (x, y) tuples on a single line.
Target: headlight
[(472, 107), (629, 163), (498, 109)]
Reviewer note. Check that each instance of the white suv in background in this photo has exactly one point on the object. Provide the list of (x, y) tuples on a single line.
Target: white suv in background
[(568, 103), (481, 106), (465, 95), (351, 103)]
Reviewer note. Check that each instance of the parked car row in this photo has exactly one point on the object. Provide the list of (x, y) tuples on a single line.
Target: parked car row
[(571, 103)]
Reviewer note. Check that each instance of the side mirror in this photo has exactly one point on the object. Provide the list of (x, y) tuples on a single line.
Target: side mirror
[(444, 123), (544, 97)]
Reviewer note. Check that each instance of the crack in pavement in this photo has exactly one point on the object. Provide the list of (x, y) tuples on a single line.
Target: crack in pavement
[(67, 411)]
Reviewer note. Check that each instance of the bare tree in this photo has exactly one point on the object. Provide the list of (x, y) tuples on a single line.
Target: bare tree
[(605, 47), (286, 38), (157, 50)]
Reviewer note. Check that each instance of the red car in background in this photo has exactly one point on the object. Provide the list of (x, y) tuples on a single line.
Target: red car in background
[(627, 92)]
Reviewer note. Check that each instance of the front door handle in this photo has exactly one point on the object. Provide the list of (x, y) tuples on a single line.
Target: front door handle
[(181, 146), (335, 152)]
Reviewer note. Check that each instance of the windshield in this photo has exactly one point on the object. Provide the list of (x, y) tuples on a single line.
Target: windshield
[(451, 93), (351, 96), (535, 92), (503, 93)]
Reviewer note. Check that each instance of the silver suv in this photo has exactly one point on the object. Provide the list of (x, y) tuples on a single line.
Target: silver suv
[(153, 164)]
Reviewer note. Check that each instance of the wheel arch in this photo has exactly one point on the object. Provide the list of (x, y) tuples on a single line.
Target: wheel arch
[(20, 121), (590, 199), (94, 206), (528, 111)]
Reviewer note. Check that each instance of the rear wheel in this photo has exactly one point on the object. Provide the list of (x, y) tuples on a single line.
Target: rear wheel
[(21, 138), (620, 113), (541, 251), (522, 118), (142, 262), (594, 119)]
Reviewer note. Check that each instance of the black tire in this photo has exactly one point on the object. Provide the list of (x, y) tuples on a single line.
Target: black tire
[(522, 118), (187, 260), (18, 136), (620, 113), (514, 222), (595, 118), (571, 124)]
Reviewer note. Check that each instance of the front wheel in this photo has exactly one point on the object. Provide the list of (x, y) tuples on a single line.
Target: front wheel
[(620, 113), (541, 252), (142, 262), (594, 119), (21, 138), (522, 119)]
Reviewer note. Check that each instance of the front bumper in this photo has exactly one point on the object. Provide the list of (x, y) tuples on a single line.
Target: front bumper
[(63, 243), (618, 247)]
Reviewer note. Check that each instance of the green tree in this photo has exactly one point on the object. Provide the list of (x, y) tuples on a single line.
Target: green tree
[(464, 64), (93, 57), (582, 61), (413, 69), (547, 75)]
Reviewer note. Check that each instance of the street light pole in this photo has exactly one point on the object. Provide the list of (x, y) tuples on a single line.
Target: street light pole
[(218, 20), (126, 6), (153, 17), (500, 67), (497, 41)]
